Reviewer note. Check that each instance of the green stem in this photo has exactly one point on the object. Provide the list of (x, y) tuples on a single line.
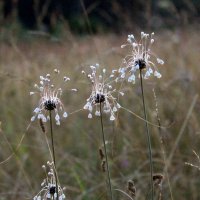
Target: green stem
[(53, 153), (148, 137), (105, 150)]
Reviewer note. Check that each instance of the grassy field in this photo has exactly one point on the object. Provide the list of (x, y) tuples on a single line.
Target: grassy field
[(78, 139)]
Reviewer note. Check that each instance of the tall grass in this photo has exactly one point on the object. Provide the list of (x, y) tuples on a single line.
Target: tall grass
[(20, 65)]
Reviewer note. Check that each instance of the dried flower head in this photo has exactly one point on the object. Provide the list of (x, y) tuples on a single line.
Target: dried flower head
[(49, 98), (158, 179), (102, 93), (48, 191), (131, 188), (141, 58)]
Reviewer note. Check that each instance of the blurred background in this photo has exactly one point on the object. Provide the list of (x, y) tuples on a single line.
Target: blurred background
[(37, 36), (103, 16)]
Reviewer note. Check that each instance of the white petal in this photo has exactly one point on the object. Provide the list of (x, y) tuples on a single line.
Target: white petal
[(60, 198), (112, 117), (57, 117), (131, 78), (89, 115), (74, 90), (37, 110), (87, 105), (44, 119), (150, 71), (65, 114), (160, 61), (40, 116), (41, 89), (123, 75), (137, 66), (39, 198), (97, 113), (31, 93), (118, 105), (157, 74), (32, 118), (90, 108), (147, 74), (122, 93), (66, 78), (114, 109)]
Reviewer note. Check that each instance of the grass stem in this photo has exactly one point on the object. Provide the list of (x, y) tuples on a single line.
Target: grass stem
[(105, 150), (148, 137), (53, 153)]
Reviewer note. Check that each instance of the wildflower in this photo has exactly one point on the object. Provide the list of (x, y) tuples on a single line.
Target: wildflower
[(141, 58), (49, 99), (102, 93), (48, 191)]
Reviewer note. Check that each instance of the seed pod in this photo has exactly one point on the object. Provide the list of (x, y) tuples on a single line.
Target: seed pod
[(158, 179), (42, 126), (103, 165), (101, 154), (131, 188)]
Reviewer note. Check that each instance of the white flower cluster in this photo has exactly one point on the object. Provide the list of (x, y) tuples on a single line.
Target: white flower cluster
[(49, 99), (48, 191), (102, 93), (141, 58)]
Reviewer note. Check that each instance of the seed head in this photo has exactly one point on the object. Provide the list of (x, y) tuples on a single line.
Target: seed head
[(50, 98), (131, 188), (102, 93), (140, 58), (48, 190)]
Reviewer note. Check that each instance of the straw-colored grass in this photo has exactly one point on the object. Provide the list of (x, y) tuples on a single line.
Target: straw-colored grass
[(78, 139)]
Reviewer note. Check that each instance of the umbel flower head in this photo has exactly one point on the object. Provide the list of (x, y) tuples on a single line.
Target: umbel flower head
[(102, 93), (48, 191), (141, 58), (49, 98)]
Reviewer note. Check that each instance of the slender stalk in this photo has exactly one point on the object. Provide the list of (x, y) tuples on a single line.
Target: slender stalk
[(105, 151), (53, 153), (148, 137), (163, 149)]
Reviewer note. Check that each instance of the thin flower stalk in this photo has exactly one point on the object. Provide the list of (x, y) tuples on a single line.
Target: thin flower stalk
[(102, 100), (49, 103), (53, 153), (148, 137), (106, 154), (141, 63)]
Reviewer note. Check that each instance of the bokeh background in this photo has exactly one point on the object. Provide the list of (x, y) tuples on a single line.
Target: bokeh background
[(37, 36)]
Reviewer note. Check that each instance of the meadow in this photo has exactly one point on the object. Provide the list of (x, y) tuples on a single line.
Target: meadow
[(174, 97)]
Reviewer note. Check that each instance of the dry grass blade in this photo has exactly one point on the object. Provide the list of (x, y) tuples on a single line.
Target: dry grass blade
[(180, 134)]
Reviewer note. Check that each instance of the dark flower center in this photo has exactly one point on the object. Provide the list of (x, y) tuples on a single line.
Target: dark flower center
[(52, 190), (49, 105), (141, 63), (100, 98)]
